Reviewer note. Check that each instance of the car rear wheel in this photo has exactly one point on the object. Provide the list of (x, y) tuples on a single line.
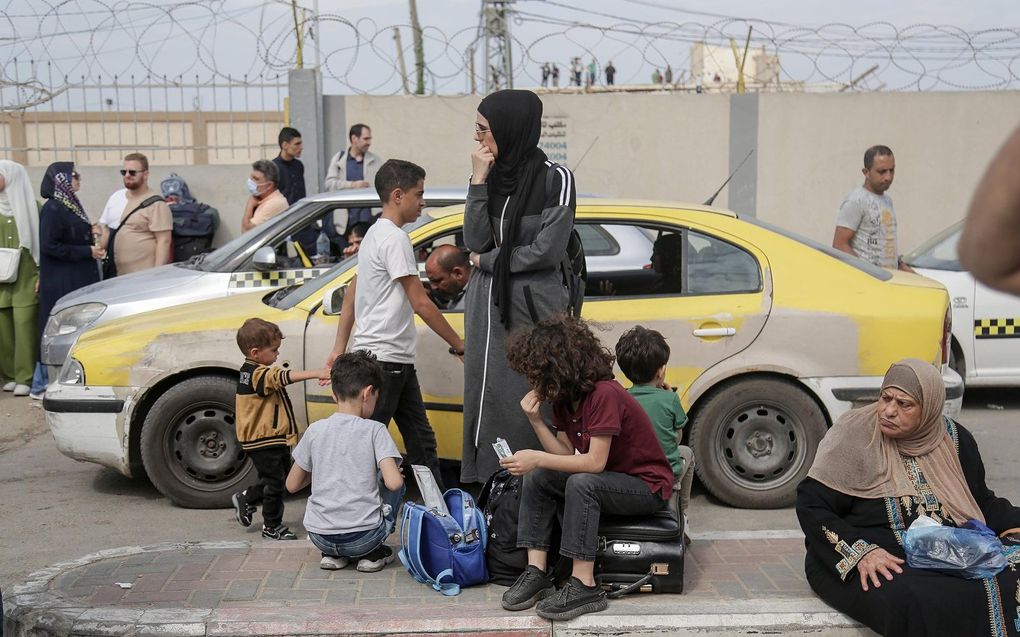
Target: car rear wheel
[(189, 448), (754, 441)]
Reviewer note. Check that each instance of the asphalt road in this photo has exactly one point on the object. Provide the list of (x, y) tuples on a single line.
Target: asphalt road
[(55, 509)]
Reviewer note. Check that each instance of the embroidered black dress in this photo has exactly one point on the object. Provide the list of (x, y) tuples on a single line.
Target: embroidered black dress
[(840, 529)]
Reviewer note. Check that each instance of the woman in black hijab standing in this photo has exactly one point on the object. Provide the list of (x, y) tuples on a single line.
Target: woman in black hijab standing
[(517, 222)]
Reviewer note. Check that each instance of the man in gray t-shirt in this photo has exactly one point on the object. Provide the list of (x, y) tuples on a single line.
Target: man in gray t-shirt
[(866, 222)]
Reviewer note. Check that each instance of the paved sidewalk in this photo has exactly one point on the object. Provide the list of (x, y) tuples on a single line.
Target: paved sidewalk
[(732, 587)]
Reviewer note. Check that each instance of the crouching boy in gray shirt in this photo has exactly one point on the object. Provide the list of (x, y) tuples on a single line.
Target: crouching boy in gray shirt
[(353, 466)]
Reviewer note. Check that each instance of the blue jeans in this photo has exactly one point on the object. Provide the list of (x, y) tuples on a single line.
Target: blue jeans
[(360, 543), (40, 379)]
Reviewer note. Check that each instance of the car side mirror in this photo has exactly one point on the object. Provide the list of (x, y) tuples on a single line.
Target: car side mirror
[(264, 259), (333, 300)]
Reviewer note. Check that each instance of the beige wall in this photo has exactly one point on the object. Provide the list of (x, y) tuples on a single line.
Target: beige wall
[(811, 151), (222, 187), (650, 146)]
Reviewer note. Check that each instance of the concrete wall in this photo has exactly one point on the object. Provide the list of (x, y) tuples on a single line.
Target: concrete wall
[(808, 147), (811, 151)]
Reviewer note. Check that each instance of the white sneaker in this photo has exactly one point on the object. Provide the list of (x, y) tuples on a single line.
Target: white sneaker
[(22, 390), (38, 396), (10, 386), (330, 563)]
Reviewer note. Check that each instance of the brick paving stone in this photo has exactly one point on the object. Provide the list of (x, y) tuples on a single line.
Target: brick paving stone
[(235, 575), (756, 583), (149, 582), (190, 572), (195, 585), (241, 591), (107, 595), (314, 572), (730, 590), (340, 596), (139, 559), (228, 563), (286, 594), (322, 584), (133, 597), (206, 599), (383, 588), (281, 579), (142, 569)]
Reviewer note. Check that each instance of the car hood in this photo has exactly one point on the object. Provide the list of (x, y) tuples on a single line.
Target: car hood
[(136, 286)]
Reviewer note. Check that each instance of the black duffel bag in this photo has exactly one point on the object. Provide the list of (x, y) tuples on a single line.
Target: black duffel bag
[(195, 225)]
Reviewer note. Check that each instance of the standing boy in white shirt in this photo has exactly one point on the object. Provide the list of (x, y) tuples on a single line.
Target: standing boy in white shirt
[(380, 305)]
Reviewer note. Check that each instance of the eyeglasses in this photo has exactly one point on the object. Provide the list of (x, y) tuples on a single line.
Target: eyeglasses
[(130, 172), (481, 130)]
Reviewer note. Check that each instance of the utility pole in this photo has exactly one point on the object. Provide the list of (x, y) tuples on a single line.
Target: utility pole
[(400, 60), (496, 45), (419, 50), (298, 25)]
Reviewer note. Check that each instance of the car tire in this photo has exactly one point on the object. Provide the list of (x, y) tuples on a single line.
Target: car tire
[(754, 441), (189, 449)]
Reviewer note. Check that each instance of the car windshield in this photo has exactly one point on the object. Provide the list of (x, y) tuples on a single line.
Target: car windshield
[(939, 252), (311, 287), (879, 273), (218, 259)]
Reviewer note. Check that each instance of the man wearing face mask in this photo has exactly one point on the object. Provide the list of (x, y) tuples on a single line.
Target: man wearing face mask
[(265, 200)]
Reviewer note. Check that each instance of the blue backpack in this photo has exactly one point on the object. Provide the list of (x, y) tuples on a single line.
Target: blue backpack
[(445, 551)]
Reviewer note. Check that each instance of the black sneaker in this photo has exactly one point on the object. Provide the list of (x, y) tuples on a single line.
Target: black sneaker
[(376, 560), (242, 510), (279, 533), (573, 600), (532, 585)]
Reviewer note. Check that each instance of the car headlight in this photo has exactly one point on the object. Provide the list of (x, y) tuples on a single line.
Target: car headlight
[(72, 373), (73, 319)]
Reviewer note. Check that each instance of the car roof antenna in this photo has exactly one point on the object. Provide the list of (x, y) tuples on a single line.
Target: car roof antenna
[(708, 202)]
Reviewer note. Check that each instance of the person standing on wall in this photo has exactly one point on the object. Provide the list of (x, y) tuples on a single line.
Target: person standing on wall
[(610, 73), (517, 225), (866, 223)]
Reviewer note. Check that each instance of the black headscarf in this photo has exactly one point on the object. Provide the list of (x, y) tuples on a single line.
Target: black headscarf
[(515, 119), (47, 189)]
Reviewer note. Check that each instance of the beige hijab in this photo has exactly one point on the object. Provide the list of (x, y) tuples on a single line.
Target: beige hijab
[(16, 201), (857, 459)]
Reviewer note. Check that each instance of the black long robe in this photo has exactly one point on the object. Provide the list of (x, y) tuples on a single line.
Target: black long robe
[(840, 529)]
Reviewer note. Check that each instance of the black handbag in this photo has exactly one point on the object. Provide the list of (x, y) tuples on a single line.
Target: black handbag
[(109, 263), (642, 553)]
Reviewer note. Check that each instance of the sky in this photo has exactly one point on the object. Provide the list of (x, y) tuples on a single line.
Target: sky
[(916, 44)]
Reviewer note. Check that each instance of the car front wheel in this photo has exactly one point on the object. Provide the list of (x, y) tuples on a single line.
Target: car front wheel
[(754, 441), (189, 448)]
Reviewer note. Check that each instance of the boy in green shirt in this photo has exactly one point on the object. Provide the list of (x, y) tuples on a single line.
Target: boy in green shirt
[(642, 355)]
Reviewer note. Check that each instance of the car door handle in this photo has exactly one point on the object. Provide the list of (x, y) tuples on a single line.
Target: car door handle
[(715, 331)]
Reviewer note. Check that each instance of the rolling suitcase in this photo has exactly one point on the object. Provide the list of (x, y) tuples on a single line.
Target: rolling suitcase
[(642, 554)]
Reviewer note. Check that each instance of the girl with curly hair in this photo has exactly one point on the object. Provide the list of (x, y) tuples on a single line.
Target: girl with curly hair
[(603, 457)]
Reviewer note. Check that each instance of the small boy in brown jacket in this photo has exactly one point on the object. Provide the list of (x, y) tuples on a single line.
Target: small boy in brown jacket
[(265, 424)]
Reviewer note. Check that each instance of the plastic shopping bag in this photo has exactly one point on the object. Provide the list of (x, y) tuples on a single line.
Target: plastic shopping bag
[(963, 552)]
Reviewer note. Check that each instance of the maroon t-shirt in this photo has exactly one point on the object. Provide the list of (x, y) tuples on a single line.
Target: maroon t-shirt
[(610, 411)]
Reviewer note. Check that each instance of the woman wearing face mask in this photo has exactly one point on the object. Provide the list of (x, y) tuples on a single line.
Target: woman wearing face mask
[(19, 302), (266, 200), (68, 259), (517, 221)]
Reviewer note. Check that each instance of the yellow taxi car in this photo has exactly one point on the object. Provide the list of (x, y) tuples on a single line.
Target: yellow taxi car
[(772, 338)]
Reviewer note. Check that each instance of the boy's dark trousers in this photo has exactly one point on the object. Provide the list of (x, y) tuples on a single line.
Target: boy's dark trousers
[(271, 465), (400, 400)]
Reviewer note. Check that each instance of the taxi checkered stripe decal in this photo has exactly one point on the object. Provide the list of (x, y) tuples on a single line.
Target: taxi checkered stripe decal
[(997, 328), (278, 278)]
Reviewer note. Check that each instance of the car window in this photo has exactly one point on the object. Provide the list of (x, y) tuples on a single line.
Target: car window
[(715, 266), (939, 252), (596, 240)]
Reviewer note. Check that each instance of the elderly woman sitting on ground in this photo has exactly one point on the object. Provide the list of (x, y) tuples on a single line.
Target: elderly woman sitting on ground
[(876, 471)]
